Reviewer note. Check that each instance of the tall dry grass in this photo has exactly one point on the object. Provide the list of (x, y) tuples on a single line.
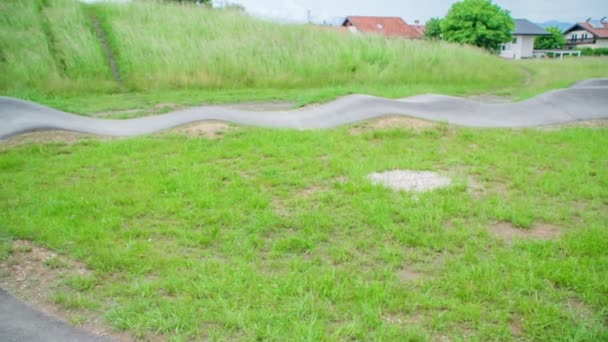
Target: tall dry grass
[(167, 46), (25, 58), (50, 46)]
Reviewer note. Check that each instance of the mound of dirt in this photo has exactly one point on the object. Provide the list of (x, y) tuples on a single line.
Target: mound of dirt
[(44, 137), (509, 233), (393, 122), (206, 129)]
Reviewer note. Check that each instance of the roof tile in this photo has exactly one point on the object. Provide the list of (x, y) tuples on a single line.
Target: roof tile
[(598, 32), (388, 26)]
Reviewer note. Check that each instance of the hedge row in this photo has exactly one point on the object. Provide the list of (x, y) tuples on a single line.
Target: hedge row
[(594, 52)]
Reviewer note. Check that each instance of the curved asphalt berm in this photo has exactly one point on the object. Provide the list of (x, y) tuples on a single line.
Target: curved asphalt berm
[(586, 100), (19, 322)]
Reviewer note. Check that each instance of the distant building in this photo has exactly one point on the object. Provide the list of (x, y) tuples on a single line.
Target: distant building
[(387, 26), (588, 34), (522, 45), (420, 28)]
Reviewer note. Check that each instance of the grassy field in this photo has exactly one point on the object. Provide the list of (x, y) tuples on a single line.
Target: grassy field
[(277, 234), (185, 55)]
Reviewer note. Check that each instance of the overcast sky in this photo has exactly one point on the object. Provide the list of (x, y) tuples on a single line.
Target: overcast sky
[(410, 10)]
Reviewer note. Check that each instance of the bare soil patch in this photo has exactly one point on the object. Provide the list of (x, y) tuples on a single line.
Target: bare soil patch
[(409, 275), (516, 325), (419, 267), (579, 309), (45, 137), (308, 192), (401, 319), (204, 129), (509, 233), (478, 189), (33, 273), (340, 179), (279, 207), (408, 180), (391, 122)]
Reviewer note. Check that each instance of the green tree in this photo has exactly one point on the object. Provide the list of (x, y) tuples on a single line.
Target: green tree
[(433, 29), (478, 22), (555, 41)]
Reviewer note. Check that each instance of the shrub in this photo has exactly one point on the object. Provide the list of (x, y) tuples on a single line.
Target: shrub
[(594, 52)]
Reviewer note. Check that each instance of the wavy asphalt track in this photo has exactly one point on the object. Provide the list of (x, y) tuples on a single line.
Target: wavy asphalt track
[(587, 100)]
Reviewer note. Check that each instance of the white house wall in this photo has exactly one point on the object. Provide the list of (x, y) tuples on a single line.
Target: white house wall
[(508, 51), (522, 48), (601, 43), (526, 46), (579, 34)]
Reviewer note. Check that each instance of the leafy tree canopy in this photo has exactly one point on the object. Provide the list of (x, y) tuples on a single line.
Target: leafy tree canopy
[(478, 22), (555, 41), (433, 29)]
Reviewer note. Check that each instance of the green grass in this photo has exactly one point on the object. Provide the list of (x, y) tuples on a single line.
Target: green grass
[(190, 55), (277, 234), (48, 46), (546, 75), (25, 59), (162, 46)]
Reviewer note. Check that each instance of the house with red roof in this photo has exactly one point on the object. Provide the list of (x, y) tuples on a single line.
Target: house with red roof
[(387, 26), (588, 34), (420, 28)]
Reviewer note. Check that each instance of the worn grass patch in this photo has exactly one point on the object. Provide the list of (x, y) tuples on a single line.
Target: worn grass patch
[(278, 234), (510, 233)]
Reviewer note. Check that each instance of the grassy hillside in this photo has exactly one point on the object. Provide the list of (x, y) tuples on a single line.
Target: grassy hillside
[(163, 46), (49, 46), (171, 53)]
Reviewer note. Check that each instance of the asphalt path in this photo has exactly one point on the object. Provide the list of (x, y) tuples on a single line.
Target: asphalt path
[(19, 323), (587, 100)]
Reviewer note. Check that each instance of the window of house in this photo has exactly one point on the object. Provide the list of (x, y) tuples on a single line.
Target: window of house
[(574, 37), (515, 40)]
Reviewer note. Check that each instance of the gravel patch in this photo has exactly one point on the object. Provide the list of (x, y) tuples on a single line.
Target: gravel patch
[(414, 181)]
